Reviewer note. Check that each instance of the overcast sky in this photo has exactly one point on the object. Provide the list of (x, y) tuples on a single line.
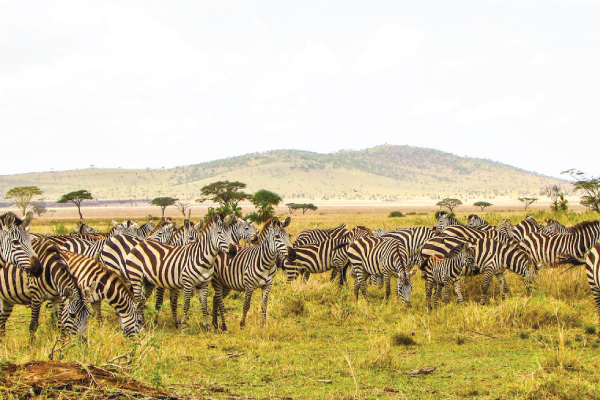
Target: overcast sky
[(137, 84)]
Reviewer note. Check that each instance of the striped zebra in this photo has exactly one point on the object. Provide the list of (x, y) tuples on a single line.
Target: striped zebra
[(371, 256), (188, 267), (474, 233), (506, 229), (475, 221), (83, 227), (252, 267), (56, 284), (553, 226), (316, 258), (446, 271), (15, 243), (550, 249), (444, 220), (592, 261), (146, 227), (99, 283), (525, 227), (318, 235)]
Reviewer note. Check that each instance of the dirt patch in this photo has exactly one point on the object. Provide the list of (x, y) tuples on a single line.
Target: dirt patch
[(69, 380)]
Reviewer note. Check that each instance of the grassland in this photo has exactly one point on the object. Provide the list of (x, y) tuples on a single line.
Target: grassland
[(319, 343)]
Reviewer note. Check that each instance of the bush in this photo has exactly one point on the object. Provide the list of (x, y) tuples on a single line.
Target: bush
[(60, 229), (396, 214)]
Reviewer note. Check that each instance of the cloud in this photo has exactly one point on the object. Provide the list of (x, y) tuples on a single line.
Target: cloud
[(390, 45), (509, 107)]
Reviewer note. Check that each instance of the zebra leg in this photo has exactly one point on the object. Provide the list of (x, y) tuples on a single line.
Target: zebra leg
[(5, 313), (428, 290), (188, 291), (386, 280), (305, 276), (97, 310), (436, 294), (334, 273), (173, 297), (596, 293), (247, 300), (263, 304), (36, 305), (485, 286), (344, 274), (203, 297), (159, 299), (219, 306), (446, 290), (503, 285), (458, 292)]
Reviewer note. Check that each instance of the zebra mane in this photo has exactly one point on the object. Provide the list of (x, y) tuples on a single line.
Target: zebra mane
[(265, 228), (456, 250), (4, 217), (158, 226), (206, 226), (583, 226)]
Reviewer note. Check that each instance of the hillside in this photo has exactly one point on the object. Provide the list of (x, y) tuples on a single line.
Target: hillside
[(383, 172)]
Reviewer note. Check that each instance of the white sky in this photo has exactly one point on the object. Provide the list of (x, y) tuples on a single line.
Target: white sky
[(137, 84)]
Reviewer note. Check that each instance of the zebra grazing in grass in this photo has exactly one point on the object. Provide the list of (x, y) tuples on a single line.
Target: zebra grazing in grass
[(371, 256), (592, 261), (318, 235), (56, 284), (549, 249), (99, 283), (252, 267), (331, 254), (443, 272), (475, 221), (444, 220), (15, 244), (188, 267)]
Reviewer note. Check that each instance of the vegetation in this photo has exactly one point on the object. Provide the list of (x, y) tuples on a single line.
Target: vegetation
[(265, 202), (527, 201), (396, 214), (163, 203), (557, 198), (482, 205), (449, 203), (76, 198), (183, 206), (227, 194), (22, 196), (301, 206), (590, 186)]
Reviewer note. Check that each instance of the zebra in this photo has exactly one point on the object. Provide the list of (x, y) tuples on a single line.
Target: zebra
[(151, 264), (446, 271), (475, 221), (15, 243), (384, 257), (100, 283), (592, 261), (252, 267), (553, 226), (506, 229), (474, 233), (83, 227), (549, 249), (318, 235), (444, 220), (525, 227), (321, 257), (143, 230), (56, 284)]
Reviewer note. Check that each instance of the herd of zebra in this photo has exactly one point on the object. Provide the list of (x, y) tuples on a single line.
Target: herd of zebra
[(125, 265)]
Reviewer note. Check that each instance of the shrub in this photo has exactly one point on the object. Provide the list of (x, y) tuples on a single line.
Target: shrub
[(396, 214)]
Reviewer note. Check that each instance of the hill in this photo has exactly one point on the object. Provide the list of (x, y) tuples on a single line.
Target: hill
[(384, 172)]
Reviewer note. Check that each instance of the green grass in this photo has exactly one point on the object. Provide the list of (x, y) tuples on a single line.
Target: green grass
[(320, 343)]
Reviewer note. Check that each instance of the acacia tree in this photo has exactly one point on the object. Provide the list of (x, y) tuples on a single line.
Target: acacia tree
[(557, 198), (76, 198), (227, 194), (482, 204), (590, 186), (22, 196), (291, 207), (265, 202), (183, 206), (527, 201), (163, 202), (449, 203), (39, 208), (304, 207)]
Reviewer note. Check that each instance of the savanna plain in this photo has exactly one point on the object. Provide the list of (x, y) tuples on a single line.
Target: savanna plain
[(320, 343)]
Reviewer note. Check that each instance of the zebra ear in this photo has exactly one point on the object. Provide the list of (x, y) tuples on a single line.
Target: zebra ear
[(286, 222), (27, 220), (9, 220)]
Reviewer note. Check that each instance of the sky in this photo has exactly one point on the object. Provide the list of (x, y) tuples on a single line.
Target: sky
[(160, 84)]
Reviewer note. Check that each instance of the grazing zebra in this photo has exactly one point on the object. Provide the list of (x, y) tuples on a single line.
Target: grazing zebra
[(252, 267), (188, 267), (100, 283), (592, 261), (412, 239), (318, 235), (331, 254), (446, 271), (444, 220), (15, 244), (56, 284), (549, 249), (371, 256)]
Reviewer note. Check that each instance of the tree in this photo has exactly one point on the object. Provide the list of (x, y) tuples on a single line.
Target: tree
[(527, 201), (590, 186), (227, 194), (22, 196), (76, 198), (163, 202), (183, 206), (482, 204), (557, 198), (39, 208), (449, 203), (291, 207), (304, 207), (265, 202)]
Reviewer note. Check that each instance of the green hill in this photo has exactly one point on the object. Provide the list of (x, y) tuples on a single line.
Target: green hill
[(383, 172)]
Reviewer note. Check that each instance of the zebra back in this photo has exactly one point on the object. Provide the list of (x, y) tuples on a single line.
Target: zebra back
[(318, 235)]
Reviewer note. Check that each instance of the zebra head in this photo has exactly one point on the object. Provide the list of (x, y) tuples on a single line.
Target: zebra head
[(506, 229), (474, 221), (76, 311), (84, 228), (220, 227), (442, 222), (279, 239), (404, 284), (15, 244), (244, 229)]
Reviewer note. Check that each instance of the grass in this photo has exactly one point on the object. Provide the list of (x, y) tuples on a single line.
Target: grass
[(320, 343)]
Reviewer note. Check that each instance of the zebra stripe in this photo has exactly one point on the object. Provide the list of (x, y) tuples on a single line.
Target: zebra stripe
[(151, 264), (592, 261), (442, 272), (525, 227), (15, 243), (252, 267), (331, 254), (318, 235), (444, 220), (474, 233), (475, 221), (99, 283), (55, 284)]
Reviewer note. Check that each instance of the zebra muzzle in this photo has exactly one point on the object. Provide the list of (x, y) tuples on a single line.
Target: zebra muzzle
[(232, 250)]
